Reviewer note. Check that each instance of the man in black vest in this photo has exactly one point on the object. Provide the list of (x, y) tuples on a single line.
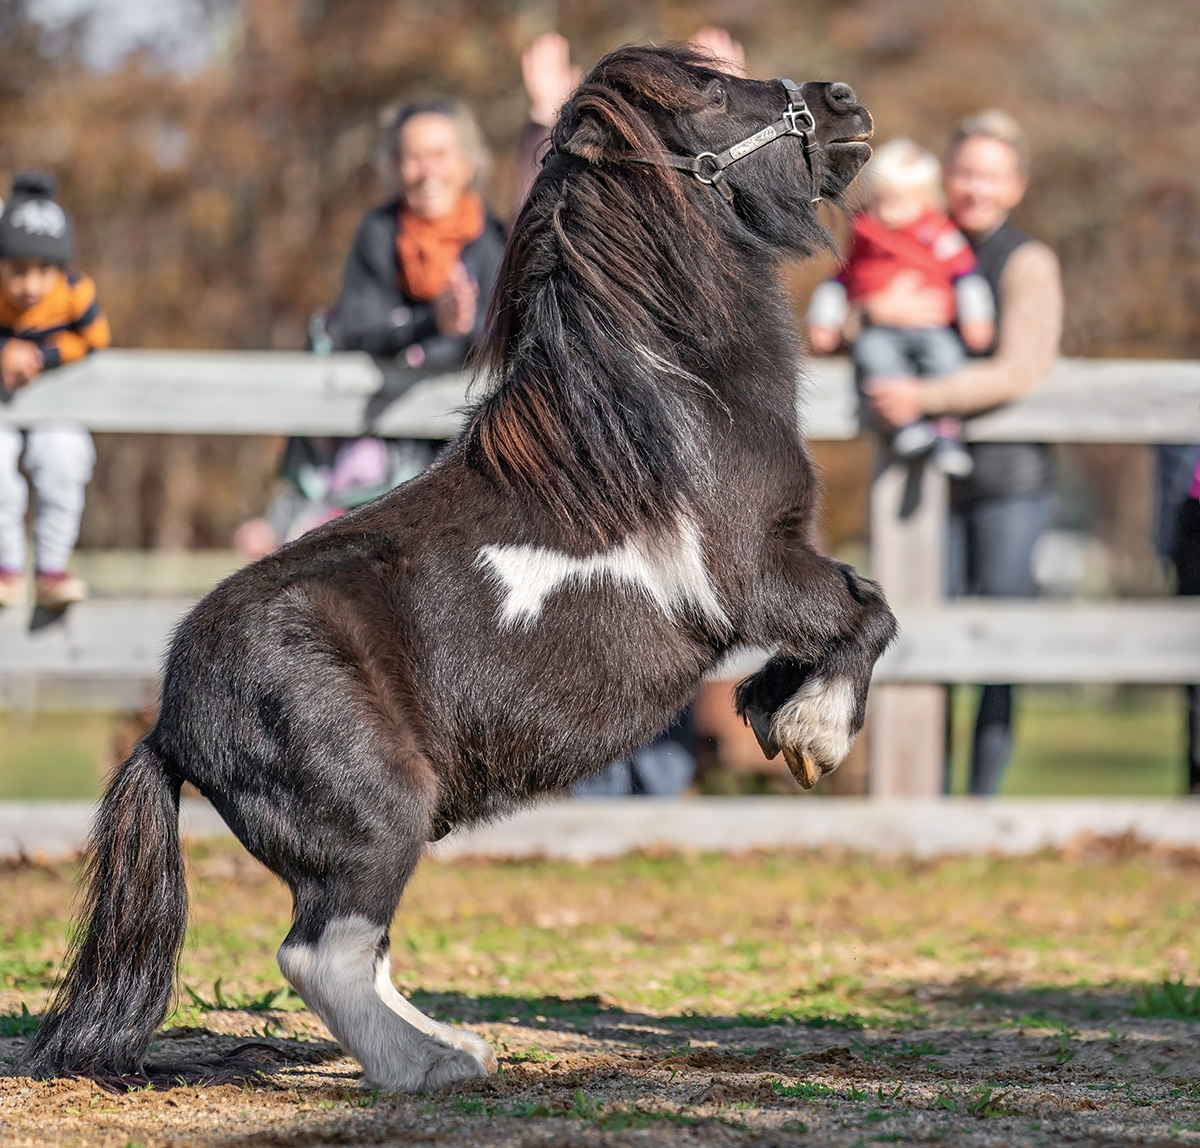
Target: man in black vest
[(1000, 511)]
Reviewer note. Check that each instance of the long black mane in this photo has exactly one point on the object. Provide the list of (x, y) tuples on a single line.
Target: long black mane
[(622, 288)]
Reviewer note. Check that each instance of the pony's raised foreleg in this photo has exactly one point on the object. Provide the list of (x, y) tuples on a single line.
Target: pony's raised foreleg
[(344, 977), (810, 699)]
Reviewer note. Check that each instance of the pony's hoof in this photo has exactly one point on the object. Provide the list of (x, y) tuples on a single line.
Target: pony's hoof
[(478, 1048), (439, 1066), (815, 728), (456, 1066), (803, 768)]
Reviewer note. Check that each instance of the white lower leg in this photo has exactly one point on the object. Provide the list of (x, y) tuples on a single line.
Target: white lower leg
[(816, 720), (339, 979), (59, 460), (458, 1037)]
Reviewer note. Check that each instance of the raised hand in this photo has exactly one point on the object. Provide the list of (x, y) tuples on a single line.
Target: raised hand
[(729, 53), (455, 308), (549, 76)]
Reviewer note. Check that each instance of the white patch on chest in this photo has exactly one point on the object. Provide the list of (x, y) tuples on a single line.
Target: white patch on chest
[(668, 567)]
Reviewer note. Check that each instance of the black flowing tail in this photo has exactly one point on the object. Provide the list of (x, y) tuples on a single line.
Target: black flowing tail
[(121, 974)]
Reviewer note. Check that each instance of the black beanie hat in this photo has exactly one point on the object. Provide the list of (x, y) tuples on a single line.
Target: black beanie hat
[(33, 225)]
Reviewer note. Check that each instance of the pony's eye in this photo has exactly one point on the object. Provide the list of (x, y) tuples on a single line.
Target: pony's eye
[(716, 93)]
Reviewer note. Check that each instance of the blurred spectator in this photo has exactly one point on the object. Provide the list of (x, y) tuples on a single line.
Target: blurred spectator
[(728, 54), (414, 296), (550, 78), (49, 315), (1177, 538), (905, 233), (998, 513)]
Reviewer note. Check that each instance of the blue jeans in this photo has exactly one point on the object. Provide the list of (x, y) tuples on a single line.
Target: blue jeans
[(664, 768), (892, 351), (1186, 552), (989, 552)]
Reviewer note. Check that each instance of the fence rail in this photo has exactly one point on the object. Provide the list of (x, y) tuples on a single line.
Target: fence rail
[(281, 392), (107, 653)]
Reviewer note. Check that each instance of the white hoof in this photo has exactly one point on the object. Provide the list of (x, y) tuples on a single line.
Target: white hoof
[(466, 1040), (436, 1066), (814, 727), (453, 1067)]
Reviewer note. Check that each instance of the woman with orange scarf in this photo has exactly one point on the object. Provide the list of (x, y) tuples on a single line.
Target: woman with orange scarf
[(422, 265), (414, 296)]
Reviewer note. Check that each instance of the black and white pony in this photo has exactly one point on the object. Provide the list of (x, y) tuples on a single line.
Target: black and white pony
[(629, 502)]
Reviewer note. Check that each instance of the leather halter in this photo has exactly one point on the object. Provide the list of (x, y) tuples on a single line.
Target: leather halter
[(709, 167)]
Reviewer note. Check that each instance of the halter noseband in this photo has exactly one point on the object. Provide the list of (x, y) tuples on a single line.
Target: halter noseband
[(709, 167)]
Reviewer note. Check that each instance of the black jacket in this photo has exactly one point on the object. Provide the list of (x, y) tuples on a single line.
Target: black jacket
[(374, 315)]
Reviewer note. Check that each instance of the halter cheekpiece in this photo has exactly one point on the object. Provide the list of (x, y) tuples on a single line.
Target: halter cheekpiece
[(709, 167)]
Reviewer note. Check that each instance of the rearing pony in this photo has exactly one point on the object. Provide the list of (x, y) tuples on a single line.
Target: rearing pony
[(629, 502)]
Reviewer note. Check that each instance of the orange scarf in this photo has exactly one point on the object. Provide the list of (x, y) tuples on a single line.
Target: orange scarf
[(428, 248)]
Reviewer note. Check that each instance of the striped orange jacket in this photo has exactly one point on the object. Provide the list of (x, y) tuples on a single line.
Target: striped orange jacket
[(67, 324)]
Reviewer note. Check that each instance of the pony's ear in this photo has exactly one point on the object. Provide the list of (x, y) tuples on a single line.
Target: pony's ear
[(598, 125), (591, 139)]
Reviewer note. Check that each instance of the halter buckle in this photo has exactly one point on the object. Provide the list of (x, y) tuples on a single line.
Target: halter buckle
[(795, 116), (708, 181)]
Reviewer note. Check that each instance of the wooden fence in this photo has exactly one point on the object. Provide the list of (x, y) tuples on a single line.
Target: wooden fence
[(106, 653)]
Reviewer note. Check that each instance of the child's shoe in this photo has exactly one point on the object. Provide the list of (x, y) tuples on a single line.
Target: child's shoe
[(12, 588), (914, 440), (952, 458), (56, 591)]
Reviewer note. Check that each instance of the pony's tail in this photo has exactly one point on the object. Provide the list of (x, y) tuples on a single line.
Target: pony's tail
[(121, 976)]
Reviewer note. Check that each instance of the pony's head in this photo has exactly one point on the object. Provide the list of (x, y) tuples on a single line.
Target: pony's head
[(637, 269), (769, 148)]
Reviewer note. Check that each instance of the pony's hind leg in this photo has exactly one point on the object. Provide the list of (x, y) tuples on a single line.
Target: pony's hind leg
[(344, 976), (347, 839)]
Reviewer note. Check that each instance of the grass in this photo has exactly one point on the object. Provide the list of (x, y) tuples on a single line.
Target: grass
[(937, 997), (239, 1001), (1096, 740), (802, 1090), (765, 939), (18, 1024), (53, 755), (1170, 999)]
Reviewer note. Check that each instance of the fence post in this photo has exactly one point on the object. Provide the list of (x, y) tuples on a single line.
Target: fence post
[(907, 741)]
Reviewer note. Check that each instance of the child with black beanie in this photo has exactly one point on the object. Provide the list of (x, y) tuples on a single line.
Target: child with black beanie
[(49, 315)]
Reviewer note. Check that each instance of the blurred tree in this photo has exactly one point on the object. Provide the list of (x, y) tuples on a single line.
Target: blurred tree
[(214, 206)]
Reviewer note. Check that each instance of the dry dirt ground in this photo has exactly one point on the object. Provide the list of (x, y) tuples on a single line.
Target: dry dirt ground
[(765, 1000)]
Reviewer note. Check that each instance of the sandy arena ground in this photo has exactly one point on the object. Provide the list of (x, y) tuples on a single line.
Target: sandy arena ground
[(699, 1001)]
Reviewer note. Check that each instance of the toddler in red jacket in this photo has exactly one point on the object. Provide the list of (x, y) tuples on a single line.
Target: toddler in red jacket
[(906, 231)]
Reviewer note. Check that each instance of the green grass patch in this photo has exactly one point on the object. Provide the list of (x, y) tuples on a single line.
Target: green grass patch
[(53, 755), (1076, 740), (802, 1090), (986, 1104), (590, 1110), (24, 973), (1173, 999), (18, 1024), (223, 1000)]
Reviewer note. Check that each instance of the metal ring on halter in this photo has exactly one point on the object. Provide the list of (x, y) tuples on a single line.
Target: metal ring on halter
[(796, 120), (716, 169), (793, 113)]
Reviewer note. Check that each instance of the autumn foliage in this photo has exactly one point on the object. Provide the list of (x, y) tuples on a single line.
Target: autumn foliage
[(214, 207)]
